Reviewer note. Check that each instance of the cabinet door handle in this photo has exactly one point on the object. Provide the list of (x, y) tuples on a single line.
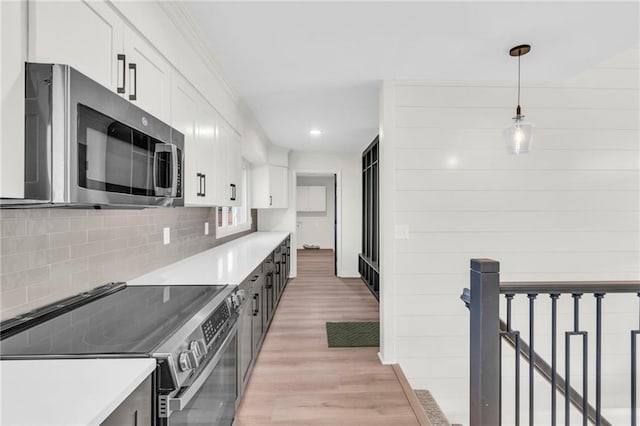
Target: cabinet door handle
[(199, 193), (233, 192), (204, 185), (122, 58), (269, 281), (255, 304), (270, 200), (133, 94)]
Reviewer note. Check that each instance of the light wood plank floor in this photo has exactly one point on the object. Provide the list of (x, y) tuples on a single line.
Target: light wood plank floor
[(297, 380)]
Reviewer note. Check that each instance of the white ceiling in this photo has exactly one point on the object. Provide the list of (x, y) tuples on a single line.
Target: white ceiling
[(301, 65)]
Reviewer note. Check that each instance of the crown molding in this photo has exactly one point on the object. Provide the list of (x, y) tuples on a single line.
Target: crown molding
[(180, 16)]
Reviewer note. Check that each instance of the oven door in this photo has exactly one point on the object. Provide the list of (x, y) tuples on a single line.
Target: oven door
[(211, 399)]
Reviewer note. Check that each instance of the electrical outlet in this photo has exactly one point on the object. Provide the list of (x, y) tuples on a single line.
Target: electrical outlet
[(166, 235), (206, 228)]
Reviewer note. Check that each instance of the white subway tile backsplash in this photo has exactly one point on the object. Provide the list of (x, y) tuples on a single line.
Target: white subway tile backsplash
[(49, 254), (68, 238), (11, 298), (13, 227)]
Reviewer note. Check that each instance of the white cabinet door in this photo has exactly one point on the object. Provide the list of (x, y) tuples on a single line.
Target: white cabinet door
[(302, 198), (279, 187), (221, 188), (206, 137), (227, 166), (269, 187), (13, 51), (148, 76), (317, 199), (88, 35), (188, 115), (184, 111), (260, 191), (234, 166)]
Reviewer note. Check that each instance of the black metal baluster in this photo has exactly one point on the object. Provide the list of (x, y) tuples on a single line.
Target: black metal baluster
[(509, 298), (585, 367), (554, 323), (516, 337), (598, 297), (634, 367), (517, 396), (532, 355)]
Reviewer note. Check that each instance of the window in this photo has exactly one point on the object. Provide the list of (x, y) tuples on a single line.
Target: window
[(231, 220)]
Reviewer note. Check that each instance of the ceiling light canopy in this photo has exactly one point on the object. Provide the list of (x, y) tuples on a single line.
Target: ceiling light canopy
[(519, 135), (315, 132)]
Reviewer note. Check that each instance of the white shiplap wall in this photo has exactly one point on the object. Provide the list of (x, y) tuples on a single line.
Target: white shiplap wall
[(569, 210)]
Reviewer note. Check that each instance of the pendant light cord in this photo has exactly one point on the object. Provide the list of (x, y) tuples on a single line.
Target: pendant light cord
[(518, 108)]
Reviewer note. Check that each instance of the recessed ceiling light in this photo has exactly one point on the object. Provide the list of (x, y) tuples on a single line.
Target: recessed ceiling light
[(315, 132)]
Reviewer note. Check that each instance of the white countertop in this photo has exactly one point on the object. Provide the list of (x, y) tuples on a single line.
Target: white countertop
[(228, 263), (67, 392)]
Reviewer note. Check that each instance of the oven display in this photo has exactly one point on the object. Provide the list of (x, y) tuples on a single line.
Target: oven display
[(213, 324)]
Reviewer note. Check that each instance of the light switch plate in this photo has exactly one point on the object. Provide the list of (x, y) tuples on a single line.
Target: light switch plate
[(402, 232), (206, 228), (166, 235)]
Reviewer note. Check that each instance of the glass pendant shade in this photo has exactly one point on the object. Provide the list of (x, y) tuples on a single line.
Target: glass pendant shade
[(519, 136)]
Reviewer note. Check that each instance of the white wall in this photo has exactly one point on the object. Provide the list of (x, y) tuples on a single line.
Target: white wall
[(316, 228), (349, 193), (569, 210)]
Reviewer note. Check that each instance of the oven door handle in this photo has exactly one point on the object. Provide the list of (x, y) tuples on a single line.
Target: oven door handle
[(178, 404)]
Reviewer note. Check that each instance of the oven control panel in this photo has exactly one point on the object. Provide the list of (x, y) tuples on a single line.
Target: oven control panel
[(215, 322)]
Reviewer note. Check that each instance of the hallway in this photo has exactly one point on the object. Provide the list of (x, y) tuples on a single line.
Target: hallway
[(297, 380)]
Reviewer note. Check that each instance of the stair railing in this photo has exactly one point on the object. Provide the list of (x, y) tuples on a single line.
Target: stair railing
[(487, 330)]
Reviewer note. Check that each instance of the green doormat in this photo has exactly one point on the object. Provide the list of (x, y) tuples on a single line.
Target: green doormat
[(353, 334)]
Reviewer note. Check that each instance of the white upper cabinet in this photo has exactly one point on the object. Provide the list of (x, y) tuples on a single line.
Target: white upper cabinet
[(88, 35), (311, 198), (94, 39), (148, 76), (13, 51), (139, 51), (205, 153), (192, 116), (270, 187), (227, 167), (184, 108)]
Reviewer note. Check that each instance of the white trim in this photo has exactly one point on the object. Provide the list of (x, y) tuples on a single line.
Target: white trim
[(386, 161), (349, 275), (183, 20)]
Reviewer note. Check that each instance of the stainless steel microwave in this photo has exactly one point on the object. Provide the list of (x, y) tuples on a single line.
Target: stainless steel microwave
[(85, 145)]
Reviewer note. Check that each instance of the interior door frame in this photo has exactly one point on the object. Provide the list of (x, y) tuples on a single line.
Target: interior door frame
[(338, 212)]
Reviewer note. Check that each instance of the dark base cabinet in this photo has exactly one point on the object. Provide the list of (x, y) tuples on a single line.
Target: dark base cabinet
[(263, 289)]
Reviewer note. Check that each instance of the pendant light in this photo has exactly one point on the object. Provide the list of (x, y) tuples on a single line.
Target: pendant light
[(519, 135)]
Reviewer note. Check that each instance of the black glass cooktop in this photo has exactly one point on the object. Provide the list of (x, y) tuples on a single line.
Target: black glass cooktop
[(132, 320)]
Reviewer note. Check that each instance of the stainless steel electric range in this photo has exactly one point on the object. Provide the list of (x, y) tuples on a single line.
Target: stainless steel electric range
[(189, 330)]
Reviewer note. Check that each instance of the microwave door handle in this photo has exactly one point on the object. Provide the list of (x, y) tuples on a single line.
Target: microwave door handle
[(156, 188), (159, 190), (174, 165), (178, 404)]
